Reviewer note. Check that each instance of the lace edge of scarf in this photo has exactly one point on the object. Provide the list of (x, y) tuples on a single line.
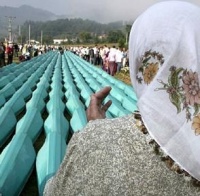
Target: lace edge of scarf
[(170, 163)]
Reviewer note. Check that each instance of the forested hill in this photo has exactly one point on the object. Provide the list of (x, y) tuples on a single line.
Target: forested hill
[(21, 14), (51, 25), (68, 28), (24, 13)]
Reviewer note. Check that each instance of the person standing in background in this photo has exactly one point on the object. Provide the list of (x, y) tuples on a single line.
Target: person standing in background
[(91, 54), (112, 61), (119, 57), (124, 59), (2, 54), (9, 51)]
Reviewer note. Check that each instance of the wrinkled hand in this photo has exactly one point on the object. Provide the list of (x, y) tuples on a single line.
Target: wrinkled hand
[(96, 109)]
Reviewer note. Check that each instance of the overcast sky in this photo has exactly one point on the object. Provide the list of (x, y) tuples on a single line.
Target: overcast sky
[(99, 10)]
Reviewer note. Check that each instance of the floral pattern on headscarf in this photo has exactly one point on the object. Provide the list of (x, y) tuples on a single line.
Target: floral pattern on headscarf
[(150, 66), (184, 93), (196, 124)]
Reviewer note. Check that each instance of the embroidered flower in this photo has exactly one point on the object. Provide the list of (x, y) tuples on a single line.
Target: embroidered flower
[(196, 124), (182, 86), (184, 93), (191, 87), (150, 63), (150, 72)]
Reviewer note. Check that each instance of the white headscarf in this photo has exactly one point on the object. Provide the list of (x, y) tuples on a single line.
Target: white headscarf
[(165, 71)]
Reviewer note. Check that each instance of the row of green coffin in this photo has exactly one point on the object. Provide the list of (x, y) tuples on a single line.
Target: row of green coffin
[(18, 159), (55, 121), (34, 118), (23, 160), (17, 101), (16, 104), (77, 113), (77, 110), (75, 107), (94, 76)]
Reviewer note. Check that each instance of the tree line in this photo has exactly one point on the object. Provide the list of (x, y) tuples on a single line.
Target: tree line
[(75, 31)]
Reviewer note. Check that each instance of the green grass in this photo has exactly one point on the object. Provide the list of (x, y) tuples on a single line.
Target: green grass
[(124, 77)]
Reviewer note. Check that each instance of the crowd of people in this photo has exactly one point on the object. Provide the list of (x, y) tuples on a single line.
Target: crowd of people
[(7, 52), (110, 59), (23, 52)]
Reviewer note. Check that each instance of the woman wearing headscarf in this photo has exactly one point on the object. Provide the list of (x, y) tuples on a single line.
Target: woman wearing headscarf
[(156, 153)]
